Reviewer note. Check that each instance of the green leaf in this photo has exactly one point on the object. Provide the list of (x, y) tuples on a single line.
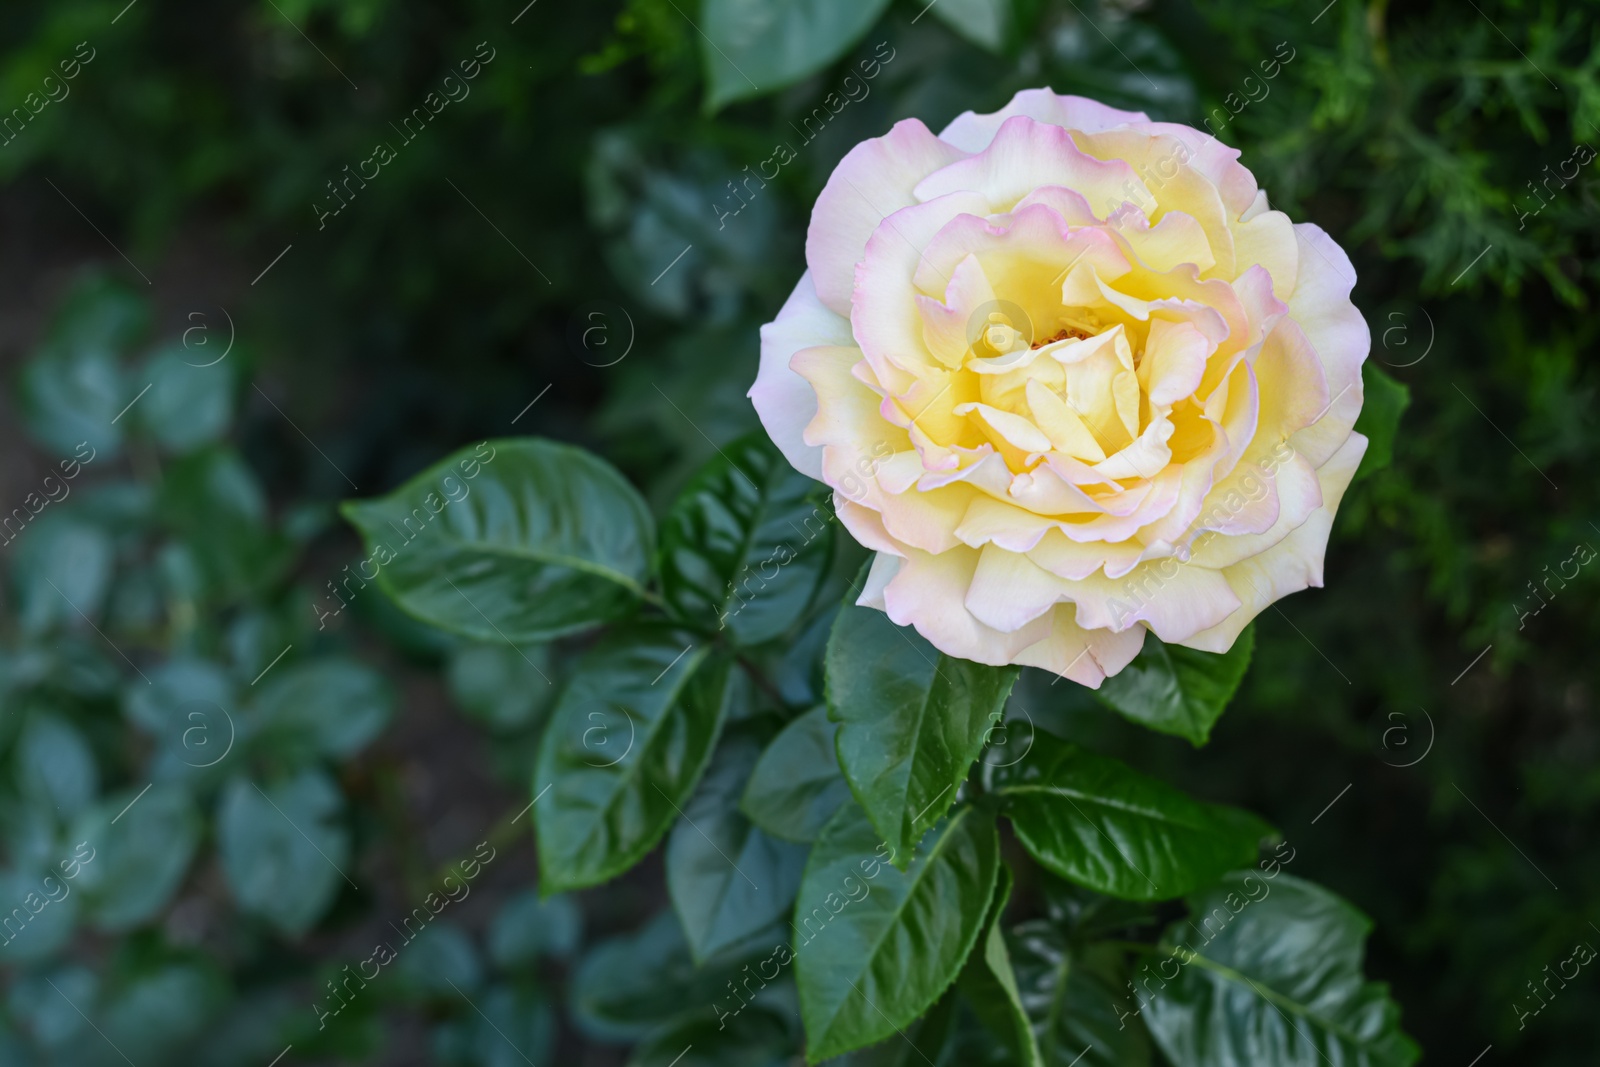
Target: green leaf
[(1077, 1000), (187, 405), (1269, 971), (102, 312), (527, 927), (796, 785), (990, 984), (1178, 690), (186, 708), (331, 707), (161, 1009), (912, 721), (283, 847), (140, 846), (1095, 821), (214, 501), (628, 739), (983, 22), (876, 947), (39, 915), (728, 879), (55, 766), (503, 686), (517, 1027), (759, 46), (75, 390), (62, 567), (433, 957), (627, 986), (1385, 402), (752, 1037), (515, 540), (746, 543), (935, 1037)]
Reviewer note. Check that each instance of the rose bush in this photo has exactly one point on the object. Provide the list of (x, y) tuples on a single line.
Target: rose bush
[(1072, 379)]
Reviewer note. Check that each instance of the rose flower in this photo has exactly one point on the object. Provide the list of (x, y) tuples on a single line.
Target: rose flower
[(1072, 379)]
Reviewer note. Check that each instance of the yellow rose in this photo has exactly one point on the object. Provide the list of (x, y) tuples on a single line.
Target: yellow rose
[(1071, 379)]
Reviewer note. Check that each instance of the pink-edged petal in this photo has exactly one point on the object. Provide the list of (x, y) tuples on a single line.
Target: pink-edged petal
[(1293, 564), (929, 592), (1172, 184), (1062, 426), (884, 567), (1025, 251), (1174, 361), (874, 180), (1026, 154), (783, 399), (1216, 162), (1068, 203), (864, 524), (1293, 382), (947, 327), (1068, 559), (1146, 457), (1268, 240), (1175, 240), (1294, 490), (884, 317), (1088, 657), (1173, 599), (1009, 591), (1337, 333), (973, 132), (1008, 431)]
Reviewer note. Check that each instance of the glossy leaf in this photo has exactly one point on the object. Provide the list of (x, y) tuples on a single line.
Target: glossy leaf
[(62, 567), (625, 746), (759, 46), (40, 914), (516, 1027), (625, 987), (140, 848), (990, 984), (728, 879), (527, 927), (754, 1037), (55, 766), (796, 785), (283, 848), (215, 502), (1077, 1000), (1097, 822), (75, 390), (433, 957), (746, 543), (912, 721), (1269, 971), (874, 946), (1178, 690), (512, 540), (153, 1016), (331, 707), (188, 404), (933, 1038)]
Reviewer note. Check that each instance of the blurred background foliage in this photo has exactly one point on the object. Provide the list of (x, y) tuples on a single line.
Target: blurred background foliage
[(299, 782)]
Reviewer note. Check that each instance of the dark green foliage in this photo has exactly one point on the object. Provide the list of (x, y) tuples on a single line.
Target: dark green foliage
[(185, 619)]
